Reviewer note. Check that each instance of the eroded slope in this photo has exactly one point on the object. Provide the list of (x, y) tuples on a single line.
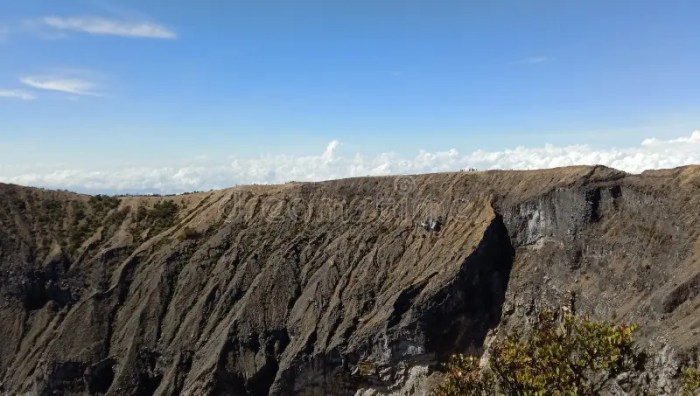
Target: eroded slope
[(327, 288)]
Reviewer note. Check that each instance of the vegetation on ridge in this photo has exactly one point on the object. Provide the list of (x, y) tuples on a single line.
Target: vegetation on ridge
[(158, 218), (88, 219)]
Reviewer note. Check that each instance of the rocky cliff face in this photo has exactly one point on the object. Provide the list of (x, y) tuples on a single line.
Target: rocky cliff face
[(354, 286)]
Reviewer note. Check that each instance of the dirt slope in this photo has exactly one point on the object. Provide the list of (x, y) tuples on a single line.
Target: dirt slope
[(340, 287)]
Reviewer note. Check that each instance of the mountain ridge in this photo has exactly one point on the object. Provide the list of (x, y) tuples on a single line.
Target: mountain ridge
[(351, 286)]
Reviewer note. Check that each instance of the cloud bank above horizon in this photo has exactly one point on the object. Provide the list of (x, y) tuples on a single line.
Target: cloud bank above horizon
[(204, 173)]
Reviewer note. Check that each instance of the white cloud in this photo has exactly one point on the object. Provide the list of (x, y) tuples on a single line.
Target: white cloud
[(205, 173), (98, 25), (74, 86), (16, 94), (534, 60)]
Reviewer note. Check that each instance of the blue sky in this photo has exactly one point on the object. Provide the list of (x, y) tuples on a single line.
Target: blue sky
[(93, 86)]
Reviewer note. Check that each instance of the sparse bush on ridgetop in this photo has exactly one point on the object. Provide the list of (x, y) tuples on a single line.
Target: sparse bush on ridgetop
[(159, 217), (88, 218), (100, 206), (103, 203), (118, 216)]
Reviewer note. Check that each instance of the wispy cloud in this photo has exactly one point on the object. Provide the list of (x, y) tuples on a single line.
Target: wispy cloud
[(73, 86), (104, 26), (16, 94), (205, 173), (534, 60)]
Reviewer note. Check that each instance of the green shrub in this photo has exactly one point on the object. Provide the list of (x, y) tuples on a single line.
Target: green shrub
[(52, 205), (574, 354), (163, 215), (189, 233), (163, 210), (570, 355), (691, 382), (117, 217), (86, 219), (464, 377), (160, 217), (366, 368), (103, 203)]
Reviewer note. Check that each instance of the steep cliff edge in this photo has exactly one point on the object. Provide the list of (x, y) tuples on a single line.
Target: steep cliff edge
[(340, 287)]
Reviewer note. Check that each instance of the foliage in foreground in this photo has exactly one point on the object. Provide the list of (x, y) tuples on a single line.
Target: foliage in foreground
[(464, 377), (691, 382), (566, 355)]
